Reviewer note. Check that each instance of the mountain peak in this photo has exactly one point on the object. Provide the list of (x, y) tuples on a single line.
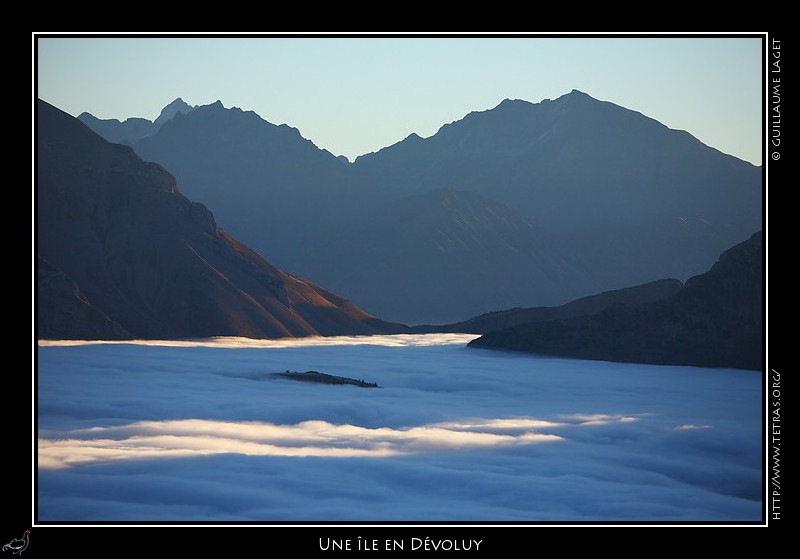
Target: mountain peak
[(513, 103), (574, 96), (178, 102), (178, 106), (578, 93)]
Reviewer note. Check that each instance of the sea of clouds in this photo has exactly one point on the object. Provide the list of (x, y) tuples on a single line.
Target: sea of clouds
[(204, 431)]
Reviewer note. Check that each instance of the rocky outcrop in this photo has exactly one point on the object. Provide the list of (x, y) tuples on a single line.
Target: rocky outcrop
[(716, 320), (324, 378)]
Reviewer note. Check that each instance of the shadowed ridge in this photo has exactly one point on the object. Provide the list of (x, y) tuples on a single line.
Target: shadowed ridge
[(501, 320), (154, 262), (716, 320)]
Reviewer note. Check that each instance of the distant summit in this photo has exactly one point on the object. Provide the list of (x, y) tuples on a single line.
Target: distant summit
[(168, 112), (265, 182), (619, 195), (132, 130)]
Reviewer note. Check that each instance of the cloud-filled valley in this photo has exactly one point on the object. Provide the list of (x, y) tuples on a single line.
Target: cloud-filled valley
[(201, 431)]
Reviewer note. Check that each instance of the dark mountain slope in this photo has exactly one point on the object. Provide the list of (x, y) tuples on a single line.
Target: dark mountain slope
[(716, 320), (637, 201), (266, 184), (444, 254), (64, 312), (152, 261), (501, 320)]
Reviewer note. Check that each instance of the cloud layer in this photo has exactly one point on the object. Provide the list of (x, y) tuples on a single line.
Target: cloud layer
[(188, 437), (202, 431)]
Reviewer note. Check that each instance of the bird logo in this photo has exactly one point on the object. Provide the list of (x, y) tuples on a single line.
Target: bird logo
[(18, 545)]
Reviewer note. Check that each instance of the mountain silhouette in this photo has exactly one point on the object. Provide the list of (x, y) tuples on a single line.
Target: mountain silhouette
[(715, 320), (121, 250), (133, 129), (591, 304), (632, 198), (611, 198), (266, 184)]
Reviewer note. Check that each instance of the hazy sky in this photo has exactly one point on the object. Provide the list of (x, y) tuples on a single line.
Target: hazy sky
[(355, 95)]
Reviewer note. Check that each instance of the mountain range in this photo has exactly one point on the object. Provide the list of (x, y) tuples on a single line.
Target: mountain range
[(522, 205), (122, 253)]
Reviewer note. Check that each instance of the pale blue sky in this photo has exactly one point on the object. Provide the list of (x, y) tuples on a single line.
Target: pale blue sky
[(356, 95)]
